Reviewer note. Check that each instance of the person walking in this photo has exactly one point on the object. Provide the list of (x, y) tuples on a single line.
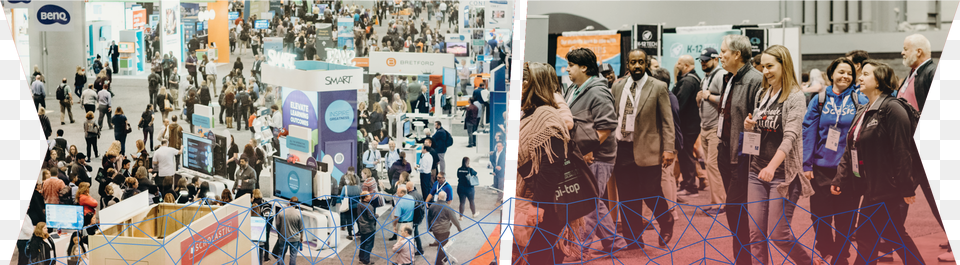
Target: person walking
[(440, 218), (366, 227), (79, 80), (122, 129), (39, 92), (92, 133), (442, 139), (89, 99), (146, 124), (466, 186), (104, 107), (66, 101), (289, 222)]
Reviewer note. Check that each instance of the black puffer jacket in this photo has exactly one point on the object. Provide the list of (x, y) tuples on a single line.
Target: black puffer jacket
[(889, 162)]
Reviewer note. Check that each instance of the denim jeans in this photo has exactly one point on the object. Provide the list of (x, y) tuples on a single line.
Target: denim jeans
[(607, 230), (294, 248), (366, 246), (770, 216)]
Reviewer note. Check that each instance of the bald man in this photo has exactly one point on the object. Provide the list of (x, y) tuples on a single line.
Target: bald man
[(688, 84)]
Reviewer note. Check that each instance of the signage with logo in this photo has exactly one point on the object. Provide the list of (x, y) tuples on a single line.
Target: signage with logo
[(233, 16), (606, 47), (341, 57), (338, 128), (281, 59), (54, 15), (261, 24), (339, 116), (324, 39), (345, 32), (210, 239), (139, 18), (648, 38), (693, 44), (410, 63), (758, 39), (16, 3), (300, 112)]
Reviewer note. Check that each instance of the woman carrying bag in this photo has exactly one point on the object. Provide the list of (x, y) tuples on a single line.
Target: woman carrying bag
[(466, 188), (349, 190)]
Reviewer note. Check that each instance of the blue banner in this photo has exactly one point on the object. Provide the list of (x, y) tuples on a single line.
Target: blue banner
[(298, 144), (202, 121)]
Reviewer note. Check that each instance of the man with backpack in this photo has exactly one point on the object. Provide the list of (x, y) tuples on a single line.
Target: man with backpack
[(243, 102), (153, 82), (441, 141), (66, 101)]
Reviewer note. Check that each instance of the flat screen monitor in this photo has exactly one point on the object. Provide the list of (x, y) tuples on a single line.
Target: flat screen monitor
[(261, 24), (458, 49), (449, 76), (258, 229), (291, 180), (407, 128), (198, 154), (233, 15), (64, 216)]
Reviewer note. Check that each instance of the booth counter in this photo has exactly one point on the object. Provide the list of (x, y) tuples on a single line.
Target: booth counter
[(176, 234)]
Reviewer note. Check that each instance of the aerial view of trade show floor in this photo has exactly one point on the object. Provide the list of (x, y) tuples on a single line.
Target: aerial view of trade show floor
[(478, 243)]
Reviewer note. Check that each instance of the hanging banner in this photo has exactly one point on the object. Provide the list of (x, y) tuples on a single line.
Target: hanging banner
[(170, 35), (55, 15), (410, 63), (758, 39), (345, 33), (472, 15), (499, 14), (648, 38), (325, 39), (676, 45), (606, 47), (139, 18)]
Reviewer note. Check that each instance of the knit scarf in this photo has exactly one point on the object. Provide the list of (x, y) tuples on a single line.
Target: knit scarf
[(535, 133)]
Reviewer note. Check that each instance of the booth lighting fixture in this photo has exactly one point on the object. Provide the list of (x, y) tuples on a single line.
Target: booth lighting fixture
[(206, 15)]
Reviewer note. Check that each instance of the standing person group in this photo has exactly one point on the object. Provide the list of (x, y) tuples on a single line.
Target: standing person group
[(764, 145)]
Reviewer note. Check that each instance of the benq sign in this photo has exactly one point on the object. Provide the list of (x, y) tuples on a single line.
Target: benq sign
[(52, 14), (20, 1)]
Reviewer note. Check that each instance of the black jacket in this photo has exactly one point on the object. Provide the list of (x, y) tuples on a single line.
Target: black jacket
[(422, 104), (686, 91), (921, 85), (887, 129)]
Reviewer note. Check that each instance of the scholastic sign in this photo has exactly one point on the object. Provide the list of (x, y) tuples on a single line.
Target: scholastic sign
[(410, 63), (210, 240), (606, 47)]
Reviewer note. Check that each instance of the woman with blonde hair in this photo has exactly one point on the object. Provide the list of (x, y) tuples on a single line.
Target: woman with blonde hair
[(776, 180), (377, 117), (229, 99), (79, 80), (364, 114), (163, 102), (398, 105), (41, 249)]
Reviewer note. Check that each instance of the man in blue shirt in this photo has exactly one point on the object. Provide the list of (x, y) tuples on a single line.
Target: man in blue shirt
[(39, 93), (404, 211), (440, 185)]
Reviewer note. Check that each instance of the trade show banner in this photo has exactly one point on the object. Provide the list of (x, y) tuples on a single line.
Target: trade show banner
[(273, 44), (189, 20), (499, 14), (139, 19), (170, 34), (217, 30), (606, 47), (338, 129), (472, 15), (56, 15), (758, 39), (345, 32), (410, 63), (257, 7), (648, 38), (676, 45), (300, 109), (325, 39)]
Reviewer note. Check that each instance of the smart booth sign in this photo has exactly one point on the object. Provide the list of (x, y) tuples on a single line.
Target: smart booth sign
[(319, 110)]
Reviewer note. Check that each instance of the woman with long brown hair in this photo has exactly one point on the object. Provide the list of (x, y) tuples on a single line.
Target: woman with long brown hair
[(543, 138), (40, 248), (776, 180)]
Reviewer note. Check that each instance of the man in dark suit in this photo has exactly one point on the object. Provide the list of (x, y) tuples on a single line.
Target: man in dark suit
[(115, 56), (423, 101), (498, 160), (645, 145), (916, 55)]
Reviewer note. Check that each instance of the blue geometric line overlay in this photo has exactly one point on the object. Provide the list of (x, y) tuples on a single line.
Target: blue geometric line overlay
[(700, 243), (545, 239), (327, 235)]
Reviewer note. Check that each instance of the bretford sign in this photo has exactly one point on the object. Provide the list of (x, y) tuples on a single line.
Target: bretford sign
[(410, 63)]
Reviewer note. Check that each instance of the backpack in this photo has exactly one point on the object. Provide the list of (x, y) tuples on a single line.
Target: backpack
[(822, 97), (243, 97), (67, 198), (60, 95)]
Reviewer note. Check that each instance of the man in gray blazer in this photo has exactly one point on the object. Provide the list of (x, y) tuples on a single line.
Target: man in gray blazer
[(645, 144)]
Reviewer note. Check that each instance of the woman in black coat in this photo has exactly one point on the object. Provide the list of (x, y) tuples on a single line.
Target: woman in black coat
[(40, 248), (79, 80)]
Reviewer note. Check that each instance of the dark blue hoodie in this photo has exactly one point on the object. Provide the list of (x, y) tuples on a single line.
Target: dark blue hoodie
[(817, 123)]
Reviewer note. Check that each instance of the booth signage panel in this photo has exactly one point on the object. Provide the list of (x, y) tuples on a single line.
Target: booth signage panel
[(211, 239), (324, 40), (298, 144), (338, 131), (410, 63), (139, 18), (758, 39), (350, 79), (606, 47), (170, 26), (648, 38), (56, 15), (676, 45), (499, 14), (202, 121)]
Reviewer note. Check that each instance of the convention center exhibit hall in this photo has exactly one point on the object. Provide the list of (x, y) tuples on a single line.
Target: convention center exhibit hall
[(261, 132), (714, 132)]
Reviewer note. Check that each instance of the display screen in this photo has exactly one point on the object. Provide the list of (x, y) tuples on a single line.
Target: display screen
[(64, 216), (233, 15), (198, 155), (458, 49), (126, 47), (449, 76), (291, 180), (261, 24), (258, 229)]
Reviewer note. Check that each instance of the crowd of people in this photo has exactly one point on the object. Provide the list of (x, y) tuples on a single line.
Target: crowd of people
[(765, 139)]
